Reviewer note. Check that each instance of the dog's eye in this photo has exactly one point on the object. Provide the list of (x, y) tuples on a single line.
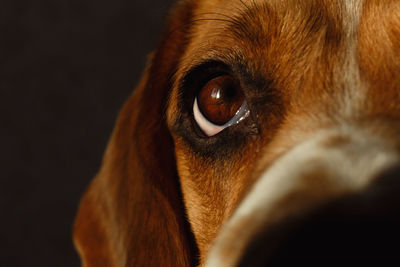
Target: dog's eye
[(220, 103)]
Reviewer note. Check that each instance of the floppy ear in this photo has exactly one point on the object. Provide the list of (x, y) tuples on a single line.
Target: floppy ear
[(132, 213)]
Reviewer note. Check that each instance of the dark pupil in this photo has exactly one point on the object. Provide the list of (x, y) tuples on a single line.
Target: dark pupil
[(220, 99)]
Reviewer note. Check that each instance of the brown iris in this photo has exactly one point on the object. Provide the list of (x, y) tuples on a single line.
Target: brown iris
[(220, 99)]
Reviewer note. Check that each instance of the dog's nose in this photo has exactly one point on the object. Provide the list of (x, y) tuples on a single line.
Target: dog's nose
[(356, 229)]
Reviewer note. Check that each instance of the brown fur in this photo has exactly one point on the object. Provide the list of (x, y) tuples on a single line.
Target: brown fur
[(138, 215), (142, 210), (380, 56)]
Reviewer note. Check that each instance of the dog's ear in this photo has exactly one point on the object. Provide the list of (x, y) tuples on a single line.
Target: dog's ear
[(132, 213)]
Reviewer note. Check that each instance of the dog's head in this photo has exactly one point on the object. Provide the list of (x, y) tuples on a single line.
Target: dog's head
[(255, 121)]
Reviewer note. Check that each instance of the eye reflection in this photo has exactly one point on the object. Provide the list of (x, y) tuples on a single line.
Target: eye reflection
[(216, 93), (219, 104)]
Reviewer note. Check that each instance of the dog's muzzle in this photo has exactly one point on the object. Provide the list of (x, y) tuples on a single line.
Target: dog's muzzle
[(331, 200)]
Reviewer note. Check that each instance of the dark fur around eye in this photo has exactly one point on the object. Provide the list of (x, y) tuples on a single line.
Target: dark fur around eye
[(228, 141)]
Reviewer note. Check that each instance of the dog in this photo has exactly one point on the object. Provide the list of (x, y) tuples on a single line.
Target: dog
[(262, 133)]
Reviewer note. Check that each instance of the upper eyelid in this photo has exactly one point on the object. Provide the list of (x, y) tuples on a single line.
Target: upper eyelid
[(251, 80), (258, 87), (205, 66)]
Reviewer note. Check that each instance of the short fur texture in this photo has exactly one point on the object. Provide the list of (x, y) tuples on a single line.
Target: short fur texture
[(166, 195)]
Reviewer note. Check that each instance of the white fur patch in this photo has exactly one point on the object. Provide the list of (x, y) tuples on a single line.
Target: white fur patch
[(350, 166), (349, 76)]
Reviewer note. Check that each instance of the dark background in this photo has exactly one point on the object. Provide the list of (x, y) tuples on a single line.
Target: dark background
[(66, 67)]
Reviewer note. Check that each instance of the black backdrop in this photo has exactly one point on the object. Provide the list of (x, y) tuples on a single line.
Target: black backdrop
[(66, 66)]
